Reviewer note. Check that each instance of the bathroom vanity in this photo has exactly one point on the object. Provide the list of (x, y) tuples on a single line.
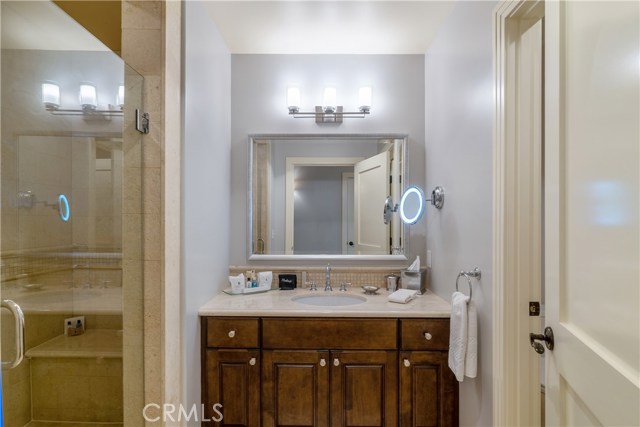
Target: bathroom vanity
[(271, 361)]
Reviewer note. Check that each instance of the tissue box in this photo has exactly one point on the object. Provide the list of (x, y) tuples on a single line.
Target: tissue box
[(416, 280)]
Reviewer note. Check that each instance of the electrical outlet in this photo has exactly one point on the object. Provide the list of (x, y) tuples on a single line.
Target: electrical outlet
[(428, 259), (74, 326)]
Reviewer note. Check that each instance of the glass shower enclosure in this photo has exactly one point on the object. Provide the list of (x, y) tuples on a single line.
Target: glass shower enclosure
[(69, 178)]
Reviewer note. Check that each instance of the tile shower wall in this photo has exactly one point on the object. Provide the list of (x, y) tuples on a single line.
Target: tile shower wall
[(143, 33)]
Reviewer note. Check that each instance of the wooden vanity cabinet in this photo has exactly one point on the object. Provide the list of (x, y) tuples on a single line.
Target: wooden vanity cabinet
[(329, 372), (428, 389), (231, 371), (357, 357)]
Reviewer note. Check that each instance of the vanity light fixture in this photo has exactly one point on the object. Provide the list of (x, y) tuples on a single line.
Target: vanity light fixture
[(87, 98), (329, 111)]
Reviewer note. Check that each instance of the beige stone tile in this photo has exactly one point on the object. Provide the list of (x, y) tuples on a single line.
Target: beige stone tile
[(133, 384), (132, 145), (132, 279), (151, 190), (132, 237), (152, 319), (152, 278), (132, 191), (142, 14), (108, 322), (153, 151), (152, 237), (142, 50), (152, 88)]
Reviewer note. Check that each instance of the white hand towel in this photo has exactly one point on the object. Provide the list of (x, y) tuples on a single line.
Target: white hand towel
[(471, 355), (402, 296), (458, 334)]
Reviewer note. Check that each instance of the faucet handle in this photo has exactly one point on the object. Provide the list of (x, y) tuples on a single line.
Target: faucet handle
[(313, 286), (343, 287)]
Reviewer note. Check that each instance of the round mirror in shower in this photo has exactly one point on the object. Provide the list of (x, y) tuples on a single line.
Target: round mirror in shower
[(412, 205)]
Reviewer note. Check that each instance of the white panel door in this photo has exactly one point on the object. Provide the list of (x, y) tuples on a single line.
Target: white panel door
[(592, 255), (371, 188)]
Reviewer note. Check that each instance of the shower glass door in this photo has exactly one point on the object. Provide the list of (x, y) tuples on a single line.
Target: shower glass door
[(69, 184)]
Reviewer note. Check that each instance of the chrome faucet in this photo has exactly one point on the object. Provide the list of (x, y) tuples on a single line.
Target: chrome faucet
[(327, 278)]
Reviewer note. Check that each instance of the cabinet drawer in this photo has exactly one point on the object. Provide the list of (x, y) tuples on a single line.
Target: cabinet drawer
[(228, 332), (424, 334), (323, 333)]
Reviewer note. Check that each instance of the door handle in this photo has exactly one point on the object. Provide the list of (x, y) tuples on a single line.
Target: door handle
[(19, 317), (547, 338)]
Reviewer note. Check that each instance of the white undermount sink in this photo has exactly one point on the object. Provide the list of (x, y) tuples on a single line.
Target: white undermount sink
[(331, 300)]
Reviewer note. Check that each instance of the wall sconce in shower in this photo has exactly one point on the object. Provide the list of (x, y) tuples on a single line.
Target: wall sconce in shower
[(329, 111), (87, 98)]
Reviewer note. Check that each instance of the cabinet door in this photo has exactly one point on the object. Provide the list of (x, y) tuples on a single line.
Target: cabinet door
[(233, 381), (428, 390), (364, 388), (295, 388)]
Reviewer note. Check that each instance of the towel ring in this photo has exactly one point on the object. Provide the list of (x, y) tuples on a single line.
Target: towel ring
[(475, 273), (463, 274)]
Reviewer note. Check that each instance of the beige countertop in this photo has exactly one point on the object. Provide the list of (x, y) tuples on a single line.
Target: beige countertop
[(276, 303)]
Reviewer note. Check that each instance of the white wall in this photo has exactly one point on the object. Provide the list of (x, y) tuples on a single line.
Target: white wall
[(459, 119), (206, 172), (259, 105)]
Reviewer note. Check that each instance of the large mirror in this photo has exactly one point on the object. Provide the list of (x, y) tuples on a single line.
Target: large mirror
[(322, 196)]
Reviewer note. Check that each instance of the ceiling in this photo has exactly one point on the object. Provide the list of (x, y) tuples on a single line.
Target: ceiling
[(328, 27), (43, 25)]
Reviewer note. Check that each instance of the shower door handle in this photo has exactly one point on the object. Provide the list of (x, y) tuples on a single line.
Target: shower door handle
[(19, 318)]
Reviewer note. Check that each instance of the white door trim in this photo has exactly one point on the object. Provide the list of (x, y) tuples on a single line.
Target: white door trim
[(514, 400)]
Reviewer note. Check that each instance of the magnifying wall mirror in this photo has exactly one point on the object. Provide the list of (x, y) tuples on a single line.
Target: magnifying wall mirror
[(412, 204)]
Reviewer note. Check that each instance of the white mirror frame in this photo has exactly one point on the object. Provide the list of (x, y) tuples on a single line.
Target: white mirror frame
[(282, 257)]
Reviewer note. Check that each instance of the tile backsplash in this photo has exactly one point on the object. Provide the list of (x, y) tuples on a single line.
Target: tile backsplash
[(356, 276)]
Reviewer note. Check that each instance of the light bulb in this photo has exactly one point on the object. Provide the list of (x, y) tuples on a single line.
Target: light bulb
[(364, 98), (51, 96), (330, 101), (293, 99), (88, 97)]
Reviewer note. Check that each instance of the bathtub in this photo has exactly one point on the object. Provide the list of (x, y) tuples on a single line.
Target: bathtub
[(67, 300)]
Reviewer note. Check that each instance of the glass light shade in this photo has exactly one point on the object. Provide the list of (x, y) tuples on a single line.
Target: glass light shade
[(120, 98), (364, 98), (330, 99), (293, 99), (51, 96), (88, 97)]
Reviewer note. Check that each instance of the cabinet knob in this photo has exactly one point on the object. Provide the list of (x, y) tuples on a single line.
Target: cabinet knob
[(323, 362), (336, 362), (407, 363), (232, 334), (252, 361), (428, 336)]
